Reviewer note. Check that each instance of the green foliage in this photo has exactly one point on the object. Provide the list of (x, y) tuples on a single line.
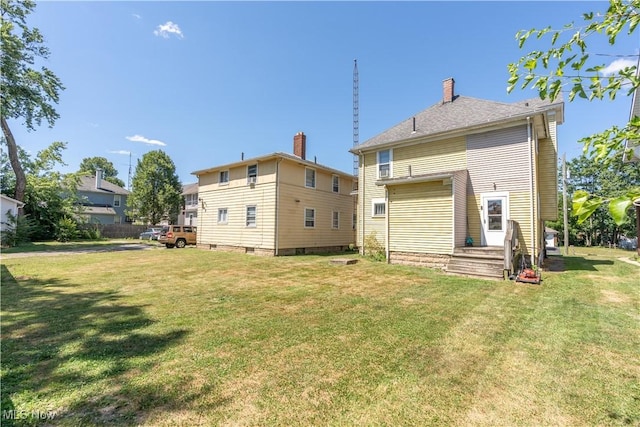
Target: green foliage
[(373, 248), (156, 190), (66, 230), (27, 92), (18, 231), (90, 232), (567, 63), (89, 165), (49, 195)]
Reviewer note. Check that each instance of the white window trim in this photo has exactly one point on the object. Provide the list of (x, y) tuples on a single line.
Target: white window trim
[(314, 218), (252, 180), (255, 219), (220, 176), (377, 201), (315, 177), (333, 224), (226, 220), (117, 198), (390, 164), (333, 177)]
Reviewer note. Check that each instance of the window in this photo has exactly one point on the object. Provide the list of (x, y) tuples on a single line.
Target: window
[(191, 200), (252, 174), (309, 218), (335, 223), (310, 178), (224, 177), (384, 164), (222, 216), (116, 201), (336, 183), (378, 207), (251, 216)]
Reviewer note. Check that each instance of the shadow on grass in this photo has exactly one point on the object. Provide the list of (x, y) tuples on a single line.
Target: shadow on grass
[(84, 347), (573, 263)]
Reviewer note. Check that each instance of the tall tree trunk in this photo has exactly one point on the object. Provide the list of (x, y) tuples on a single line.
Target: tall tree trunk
[(21, 180)]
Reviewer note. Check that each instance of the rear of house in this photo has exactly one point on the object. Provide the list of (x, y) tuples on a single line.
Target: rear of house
[(278, 204), (464, 170)]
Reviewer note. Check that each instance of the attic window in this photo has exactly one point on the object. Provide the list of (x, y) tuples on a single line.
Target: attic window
[(252, 174)]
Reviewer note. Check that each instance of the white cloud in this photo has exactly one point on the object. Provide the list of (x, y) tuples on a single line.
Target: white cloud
[(618, 65), (168, 28), (123, 152), (140, 138), (135, 15)]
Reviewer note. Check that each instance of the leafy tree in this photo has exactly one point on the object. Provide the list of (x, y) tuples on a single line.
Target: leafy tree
[(156, 190), (89, 165), (49, 195), (568, 63), (27, 92)]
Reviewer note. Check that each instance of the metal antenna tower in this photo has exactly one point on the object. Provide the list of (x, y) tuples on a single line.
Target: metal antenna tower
[(356, 114)]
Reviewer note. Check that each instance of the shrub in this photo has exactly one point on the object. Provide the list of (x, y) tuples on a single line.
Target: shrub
[(66, 230), (373, 248), (19, 230)]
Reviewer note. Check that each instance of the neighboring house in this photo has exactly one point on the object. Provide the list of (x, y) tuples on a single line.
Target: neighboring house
[(8, 207), (551, 237), (189, 213), (464, 170), (277, 204), (101, 202)]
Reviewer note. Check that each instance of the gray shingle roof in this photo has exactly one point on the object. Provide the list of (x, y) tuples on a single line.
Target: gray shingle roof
[(462, 113), (88, 184)]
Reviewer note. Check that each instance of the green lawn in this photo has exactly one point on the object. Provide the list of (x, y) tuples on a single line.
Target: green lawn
[(190, 337)]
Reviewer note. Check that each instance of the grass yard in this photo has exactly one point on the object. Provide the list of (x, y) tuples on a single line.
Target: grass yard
[(190, 337)]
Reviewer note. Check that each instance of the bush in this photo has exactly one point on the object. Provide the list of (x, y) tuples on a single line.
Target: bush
[(373, 248), (19, 230), (91, 232), (66, 230)]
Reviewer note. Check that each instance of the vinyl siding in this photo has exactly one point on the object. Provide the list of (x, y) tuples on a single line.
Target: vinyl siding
[(288, 187), (235, 232), (368, 190), (498, 158), (294, 198), (430, 157), (235, 196), (420, 218), (548, 180), (460, 207)]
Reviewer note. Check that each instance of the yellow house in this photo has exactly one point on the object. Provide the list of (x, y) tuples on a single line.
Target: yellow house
[(277, 204), (466, 179)]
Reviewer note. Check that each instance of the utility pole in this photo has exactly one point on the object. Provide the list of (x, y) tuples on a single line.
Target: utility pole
[(564, 204)]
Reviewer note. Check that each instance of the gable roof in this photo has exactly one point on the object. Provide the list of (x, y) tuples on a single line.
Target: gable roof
[(88, 185), (271, 156), (461, 114), (190, 188)]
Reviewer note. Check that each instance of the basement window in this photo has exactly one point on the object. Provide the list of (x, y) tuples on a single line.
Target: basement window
[(378, 207)]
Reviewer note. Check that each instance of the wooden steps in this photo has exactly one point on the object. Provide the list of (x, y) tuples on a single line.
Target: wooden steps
[(486, 262)]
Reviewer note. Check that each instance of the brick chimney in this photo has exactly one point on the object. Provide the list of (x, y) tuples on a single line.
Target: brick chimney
[(98, 178), (448, 92), (300, 145)]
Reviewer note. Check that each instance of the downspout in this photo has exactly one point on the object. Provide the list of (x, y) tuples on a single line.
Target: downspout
[(386, 225), (275, 243), (531, 216)]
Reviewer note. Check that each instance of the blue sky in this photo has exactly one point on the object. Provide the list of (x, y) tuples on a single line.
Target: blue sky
[(208, 81)]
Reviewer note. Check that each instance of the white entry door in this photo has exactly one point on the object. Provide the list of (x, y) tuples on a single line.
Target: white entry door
[(495, 208)]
